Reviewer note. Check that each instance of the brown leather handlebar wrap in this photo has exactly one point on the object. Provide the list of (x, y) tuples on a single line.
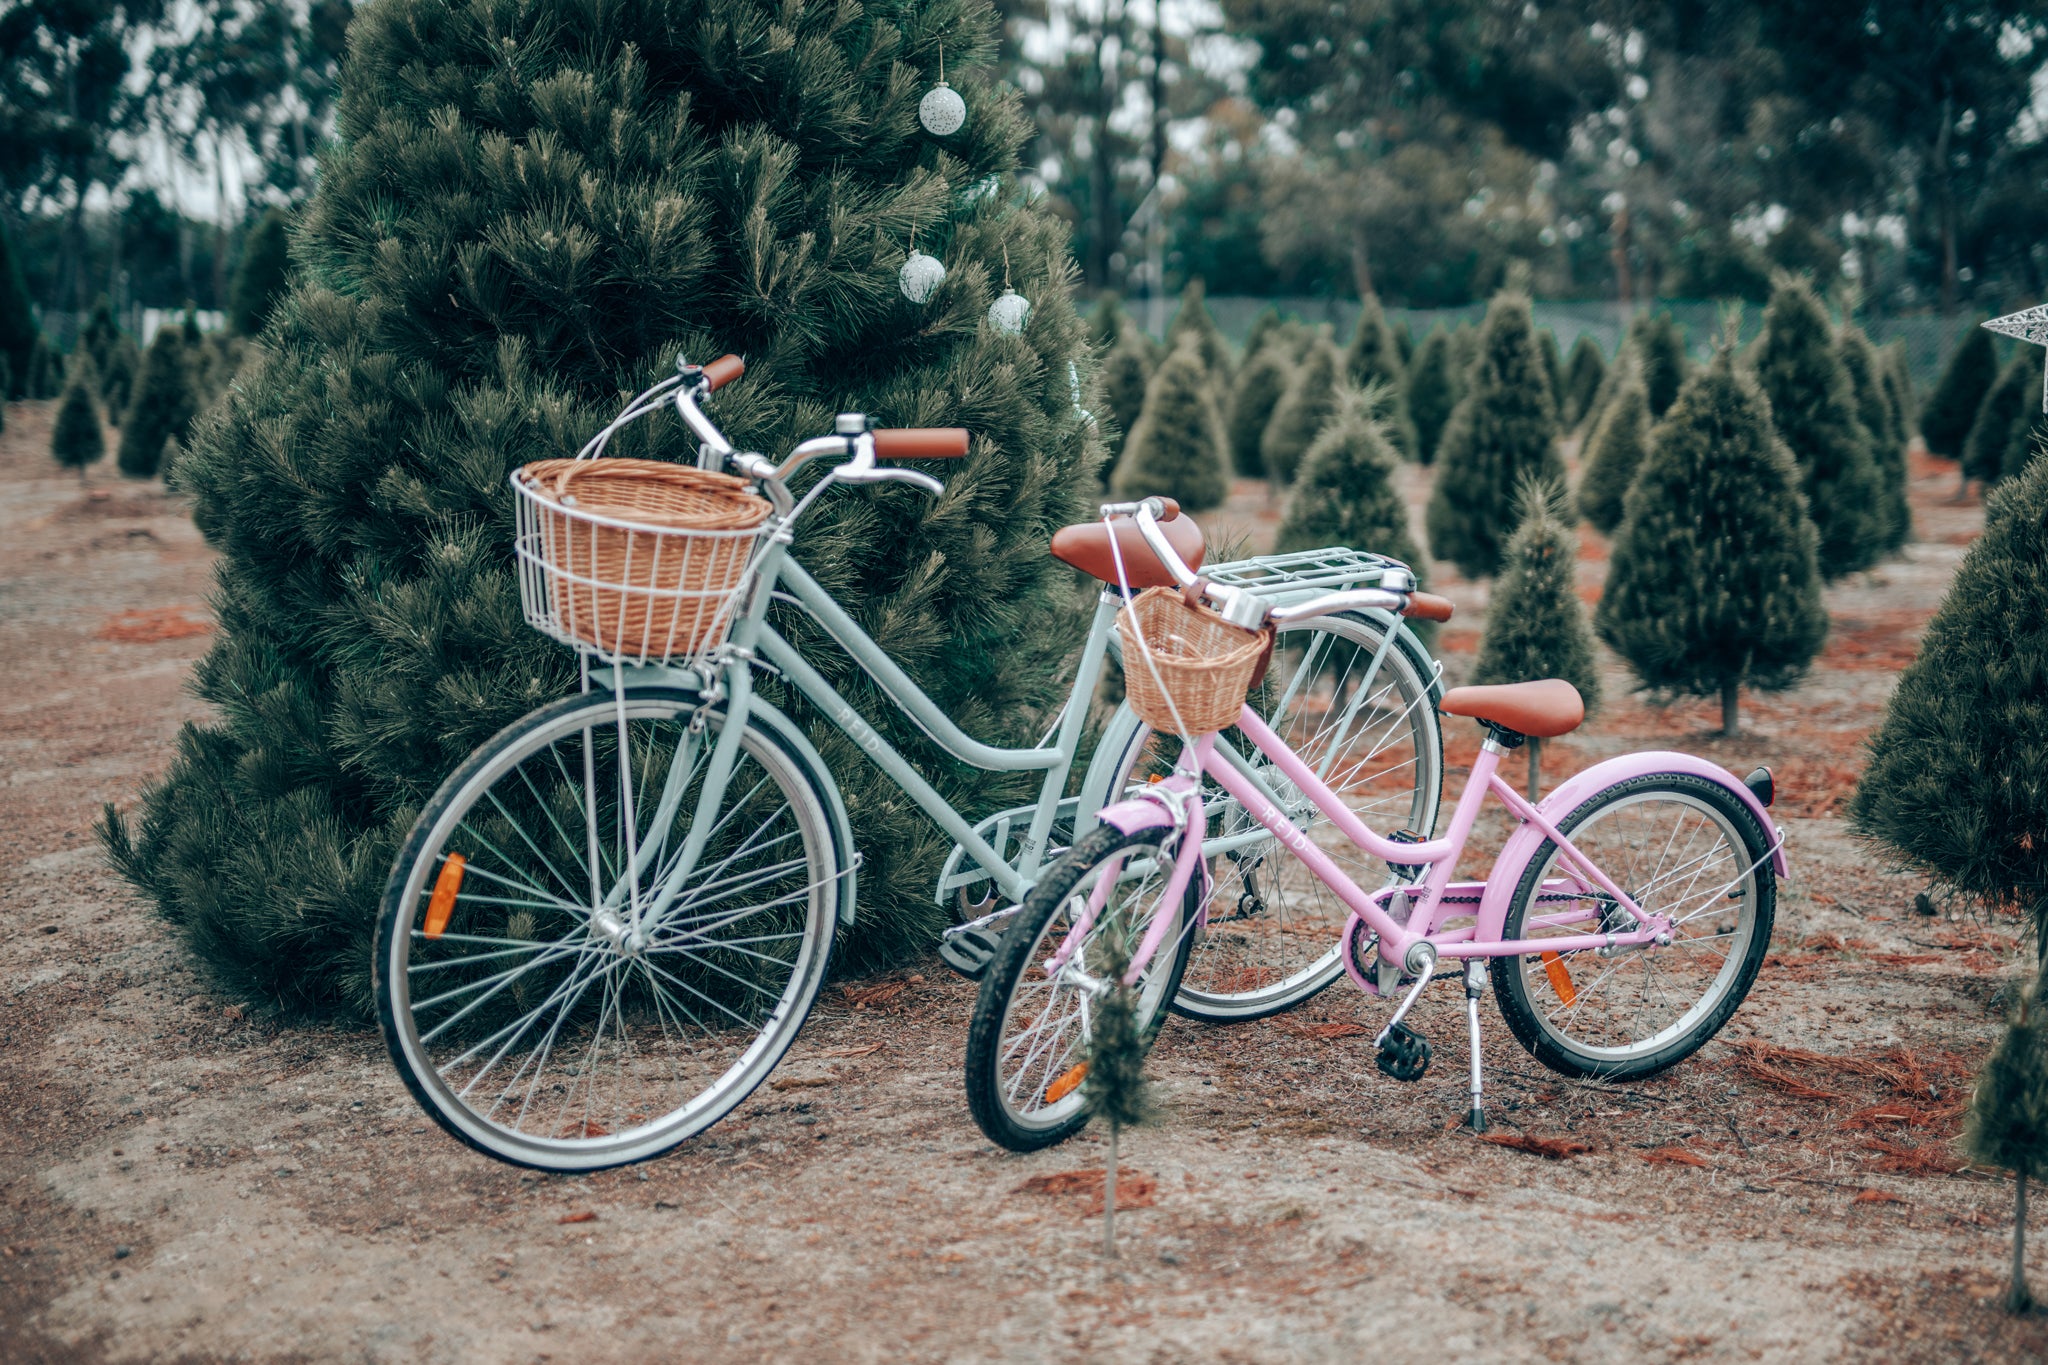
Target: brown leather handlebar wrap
[(1428, 606), (723, 371), (920, 443)]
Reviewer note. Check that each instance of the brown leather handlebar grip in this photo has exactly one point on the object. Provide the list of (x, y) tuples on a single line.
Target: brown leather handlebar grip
[(920, 443), (1428, 606), (723, 371)]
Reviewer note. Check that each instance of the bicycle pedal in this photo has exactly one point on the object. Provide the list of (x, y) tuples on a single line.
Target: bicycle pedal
[(1404, 1055), (969, 951)]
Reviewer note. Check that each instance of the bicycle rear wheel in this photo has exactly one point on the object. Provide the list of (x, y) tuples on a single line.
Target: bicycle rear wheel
[(526, 1012), (1680, 846), (1027, 1045), (1271, 939)]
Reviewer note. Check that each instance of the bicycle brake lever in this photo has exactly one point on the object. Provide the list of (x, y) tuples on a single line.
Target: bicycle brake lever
[(916, 478)]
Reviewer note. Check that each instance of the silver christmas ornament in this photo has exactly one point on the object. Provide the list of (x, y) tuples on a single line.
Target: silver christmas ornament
[(942, 111), (920, 276), (1010, 312), (2031, 325)]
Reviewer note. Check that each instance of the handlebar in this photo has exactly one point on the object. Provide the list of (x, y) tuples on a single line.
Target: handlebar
[(920, 443), (723, 371)]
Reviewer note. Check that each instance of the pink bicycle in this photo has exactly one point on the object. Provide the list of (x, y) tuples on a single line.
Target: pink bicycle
[(1629, 910)]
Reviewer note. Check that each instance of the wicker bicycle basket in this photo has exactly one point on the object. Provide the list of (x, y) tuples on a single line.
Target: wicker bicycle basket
[(636, 559), (1191, 655)]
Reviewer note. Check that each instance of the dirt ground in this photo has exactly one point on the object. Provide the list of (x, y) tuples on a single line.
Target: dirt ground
[(181, 1179)]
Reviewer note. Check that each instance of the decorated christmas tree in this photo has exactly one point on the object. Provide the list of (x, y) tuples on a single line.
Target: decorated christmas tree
[(1887, 438), (585, 193), (1434, 388), (76, 440), (1613, 452), (18, 330), (1583, 371), (1375, 358), (1713, 583), (1503, 431), (1299, 415), (2004, 418), (1177, 449), (2007, 1122), (164, 403), (1535, 624), (1952, 408), (1261, 384), (261, 277), (1344, 492), (1958, 773), (1126, 370), (1191, 321), (1815, 415)]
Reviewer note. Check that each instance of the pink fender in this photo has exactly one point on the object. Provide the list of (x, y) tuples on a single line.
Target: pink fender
[(1523, 843), (1140, 812)]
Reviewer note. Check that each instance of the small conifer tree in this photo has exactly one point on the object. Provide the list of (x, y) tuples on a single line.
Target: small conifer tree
[(1375, 358), (1404, 342), (1614, 450), (1344, 492), (1299, 415), (1583, 371), (1464, 354), (117, 381), (1814, 412), (1177, 447), (1952, 407), (1887, 442), (1659, 346), (1192, 319), (1553, 367), (163, 407), (1265, 327), (77, 440), (1261, 384), (1114, 1089), (2006, 415), (2007, 1122), (1535, 623), (588, 192), (261, 276), (18, 330), (1504, 430), (1713, 583), (1434, 389), (2027, 439), (1126, 370), (1898, 390), (100, 334), (46, 369), (1106, 324), (1957, 780)]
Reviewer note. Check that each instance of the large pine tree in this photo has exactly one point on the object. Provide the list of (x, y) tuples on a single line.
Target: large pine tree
[(527, 212), (1434, 388), (1375, 358), (1957, 781), (1261, 383), (1299, 415), (1177, 449), (1951, 409), (1713, 583), (1504, 430), (1613, 452), (1814, 411)]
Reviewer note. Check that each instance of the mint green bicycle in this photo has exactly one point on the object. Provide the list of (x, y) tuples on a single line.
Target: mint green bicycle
[(609, 924)]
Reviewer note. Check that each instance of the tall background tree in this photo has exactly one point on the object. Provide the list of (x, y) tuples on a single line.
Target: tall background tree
[(738, 176)]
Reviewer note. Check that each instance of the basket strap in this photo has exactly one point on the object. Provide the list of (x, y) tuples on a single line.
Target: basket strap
[(1191, 595), (1265, 659)]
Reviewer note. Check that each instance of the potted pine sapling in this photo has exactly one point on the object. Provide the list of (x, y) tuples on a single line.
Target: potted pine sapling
[(1115, 1090), (2007, 1124)]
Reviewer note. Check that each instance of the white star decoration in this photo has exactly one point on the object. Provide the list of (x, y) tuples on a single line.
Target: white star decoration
[(2029, 324)]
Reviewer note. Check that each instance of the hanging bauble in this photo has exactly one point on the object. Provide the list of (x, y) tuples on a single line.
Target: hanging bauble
[(942, 111), (920, 276), (988, 187), (1009, 312)]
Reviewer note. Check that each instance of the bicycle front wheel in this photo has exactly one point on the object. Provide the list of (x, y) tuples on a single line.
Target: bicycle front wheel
[(1372, 735), (558, 987), (1028, 1044), (1681, 847)]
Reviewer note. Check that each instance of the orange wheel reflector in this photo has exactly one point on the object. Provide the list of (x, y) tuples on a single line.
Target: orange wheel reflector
[(1560, 978), (446, 886), (1067, 1083)]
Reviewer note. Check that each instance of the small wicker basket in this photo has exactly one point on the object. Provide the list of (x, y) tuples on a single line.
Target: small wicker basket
[(637, 559), (1206, 664)]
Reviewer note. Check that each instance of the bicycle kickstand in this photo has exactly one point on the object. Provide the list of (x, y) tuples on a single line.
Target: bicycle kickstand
[(1475, 983)]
